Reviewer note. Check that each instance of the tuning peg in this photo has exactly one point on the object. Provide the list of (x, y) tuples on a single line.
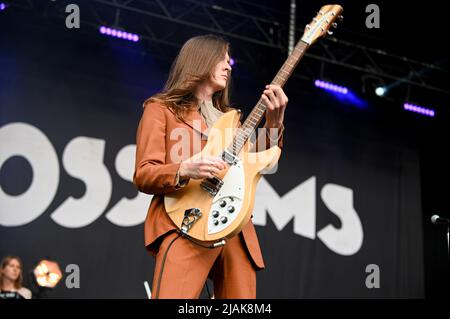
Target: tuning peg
[(308, 27), (321, 13), (341, 18), (334, 25), (329, 32)]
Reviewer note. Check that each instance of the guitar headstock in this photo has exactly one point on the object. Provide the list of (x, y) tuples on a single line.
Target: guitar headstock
[(321, 24)]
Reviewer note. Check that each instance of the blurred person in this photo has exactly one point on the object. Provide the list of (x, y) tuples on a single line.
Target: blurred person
[(11, 277)]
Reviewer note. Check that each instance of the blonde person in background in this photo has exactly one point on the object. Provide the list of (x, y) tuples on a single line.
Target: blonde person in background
[(11, 276)]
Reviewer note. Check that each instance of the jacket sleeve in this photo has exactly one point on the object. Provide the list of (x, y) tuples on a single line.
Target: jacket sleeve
[(152, 175)]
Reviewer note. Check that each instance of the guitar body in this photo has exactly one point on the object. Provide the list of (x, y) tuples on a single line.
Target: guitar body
[(224, 214)]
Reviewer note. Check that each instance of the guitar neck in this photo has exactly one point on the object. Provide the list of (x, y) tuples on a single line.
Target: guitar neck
[(252, 121)]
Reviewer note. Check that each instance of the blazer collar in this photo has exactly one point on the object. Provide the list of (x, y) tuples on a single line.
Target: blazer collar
[(196, 121)]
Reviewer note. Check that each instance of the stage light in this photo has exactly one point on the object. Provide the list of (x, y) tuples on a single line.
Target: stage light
[(47, 273), (380, 91), (331, 87), (232, 61), (418, 109), (119, 34), (2, 6)]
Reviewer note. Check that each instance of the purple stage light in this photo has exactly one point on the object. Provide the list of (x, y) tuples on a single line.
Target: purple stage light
[(119, 34), (2, 6), (331, 87), (232, 61), (418, 109)]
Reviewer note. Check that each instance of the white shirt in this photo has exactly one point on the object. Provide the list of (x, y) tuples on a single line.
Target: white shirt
[(210, 113)]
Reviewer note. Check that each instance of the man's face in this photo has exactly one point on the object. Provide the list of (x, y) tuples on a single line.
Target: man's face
[(221, 74)]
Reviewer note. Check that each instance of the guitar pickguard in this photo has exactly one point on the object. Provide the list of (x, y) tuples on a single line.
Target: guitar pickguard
[(227, 203)]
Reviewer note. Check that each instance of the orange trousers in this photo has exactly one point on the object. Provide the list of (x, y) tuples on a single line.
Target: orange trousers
[(187, 267)]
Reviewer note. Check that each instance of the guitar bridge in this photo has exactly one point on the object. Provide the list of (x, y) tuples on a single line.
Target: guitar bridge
[(190, 217), (212, 185)]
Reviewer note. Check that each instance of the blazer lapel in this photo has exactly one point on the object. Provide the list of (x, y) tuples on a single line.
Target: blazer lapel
[(195, 120)]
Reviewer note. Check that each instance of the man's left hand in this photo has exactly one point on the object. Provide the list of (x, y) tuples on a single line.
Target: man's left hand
[(275, 100)]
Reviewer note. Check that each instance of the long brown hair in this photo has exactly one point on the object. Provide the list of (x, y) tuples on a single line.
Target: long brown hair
[(194, 64), (5, 261)]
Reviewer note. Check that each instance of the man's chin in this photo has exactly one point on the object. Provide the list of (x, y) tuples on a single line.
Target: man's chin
[(219, 87)]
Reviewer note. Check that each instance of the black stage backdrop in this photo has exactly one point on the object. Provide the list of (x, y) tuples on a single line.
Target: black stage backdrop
[(345, 199)]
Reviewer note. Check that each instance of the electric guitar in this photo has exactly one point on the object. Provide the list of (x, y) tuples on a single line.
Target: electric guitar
[(216, 208)]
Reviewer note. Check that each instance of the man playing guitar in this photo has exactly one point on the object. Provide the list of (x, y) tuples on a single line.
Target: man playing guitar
[(194, 97)]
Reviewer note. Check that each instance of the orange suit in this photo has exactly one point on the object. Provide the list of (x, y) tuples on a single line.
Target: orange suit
[(231, 267)]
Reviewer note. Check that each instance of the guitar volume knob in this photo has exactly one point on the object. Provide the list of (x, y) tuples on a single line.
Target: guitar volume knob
[(230, 209), (222, 203)]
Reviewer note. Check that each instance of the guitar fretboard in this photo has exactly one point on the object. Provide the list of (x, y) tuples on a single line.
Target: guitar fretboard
[(256, 115)]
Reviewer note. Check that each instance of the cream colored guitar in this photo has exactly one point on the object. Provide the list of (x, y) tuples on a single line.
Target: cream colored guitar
[(219, 207)]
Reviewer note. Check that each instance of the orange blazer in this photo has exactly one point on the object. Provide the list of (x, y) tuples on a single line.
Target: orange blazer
[(155, 172)]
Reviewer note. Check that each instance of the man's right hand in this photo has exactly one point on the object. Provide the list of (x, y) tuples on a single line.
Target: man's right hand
[(205, 167)]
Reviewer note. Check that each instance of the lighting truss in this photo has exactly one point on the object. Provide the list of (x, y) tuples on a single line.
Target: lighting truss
[(257, 29)]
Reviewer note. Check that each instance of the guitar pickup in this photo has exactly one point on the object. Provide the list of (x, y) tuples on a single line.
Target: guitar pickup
[(230, 158), (212, 185)]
